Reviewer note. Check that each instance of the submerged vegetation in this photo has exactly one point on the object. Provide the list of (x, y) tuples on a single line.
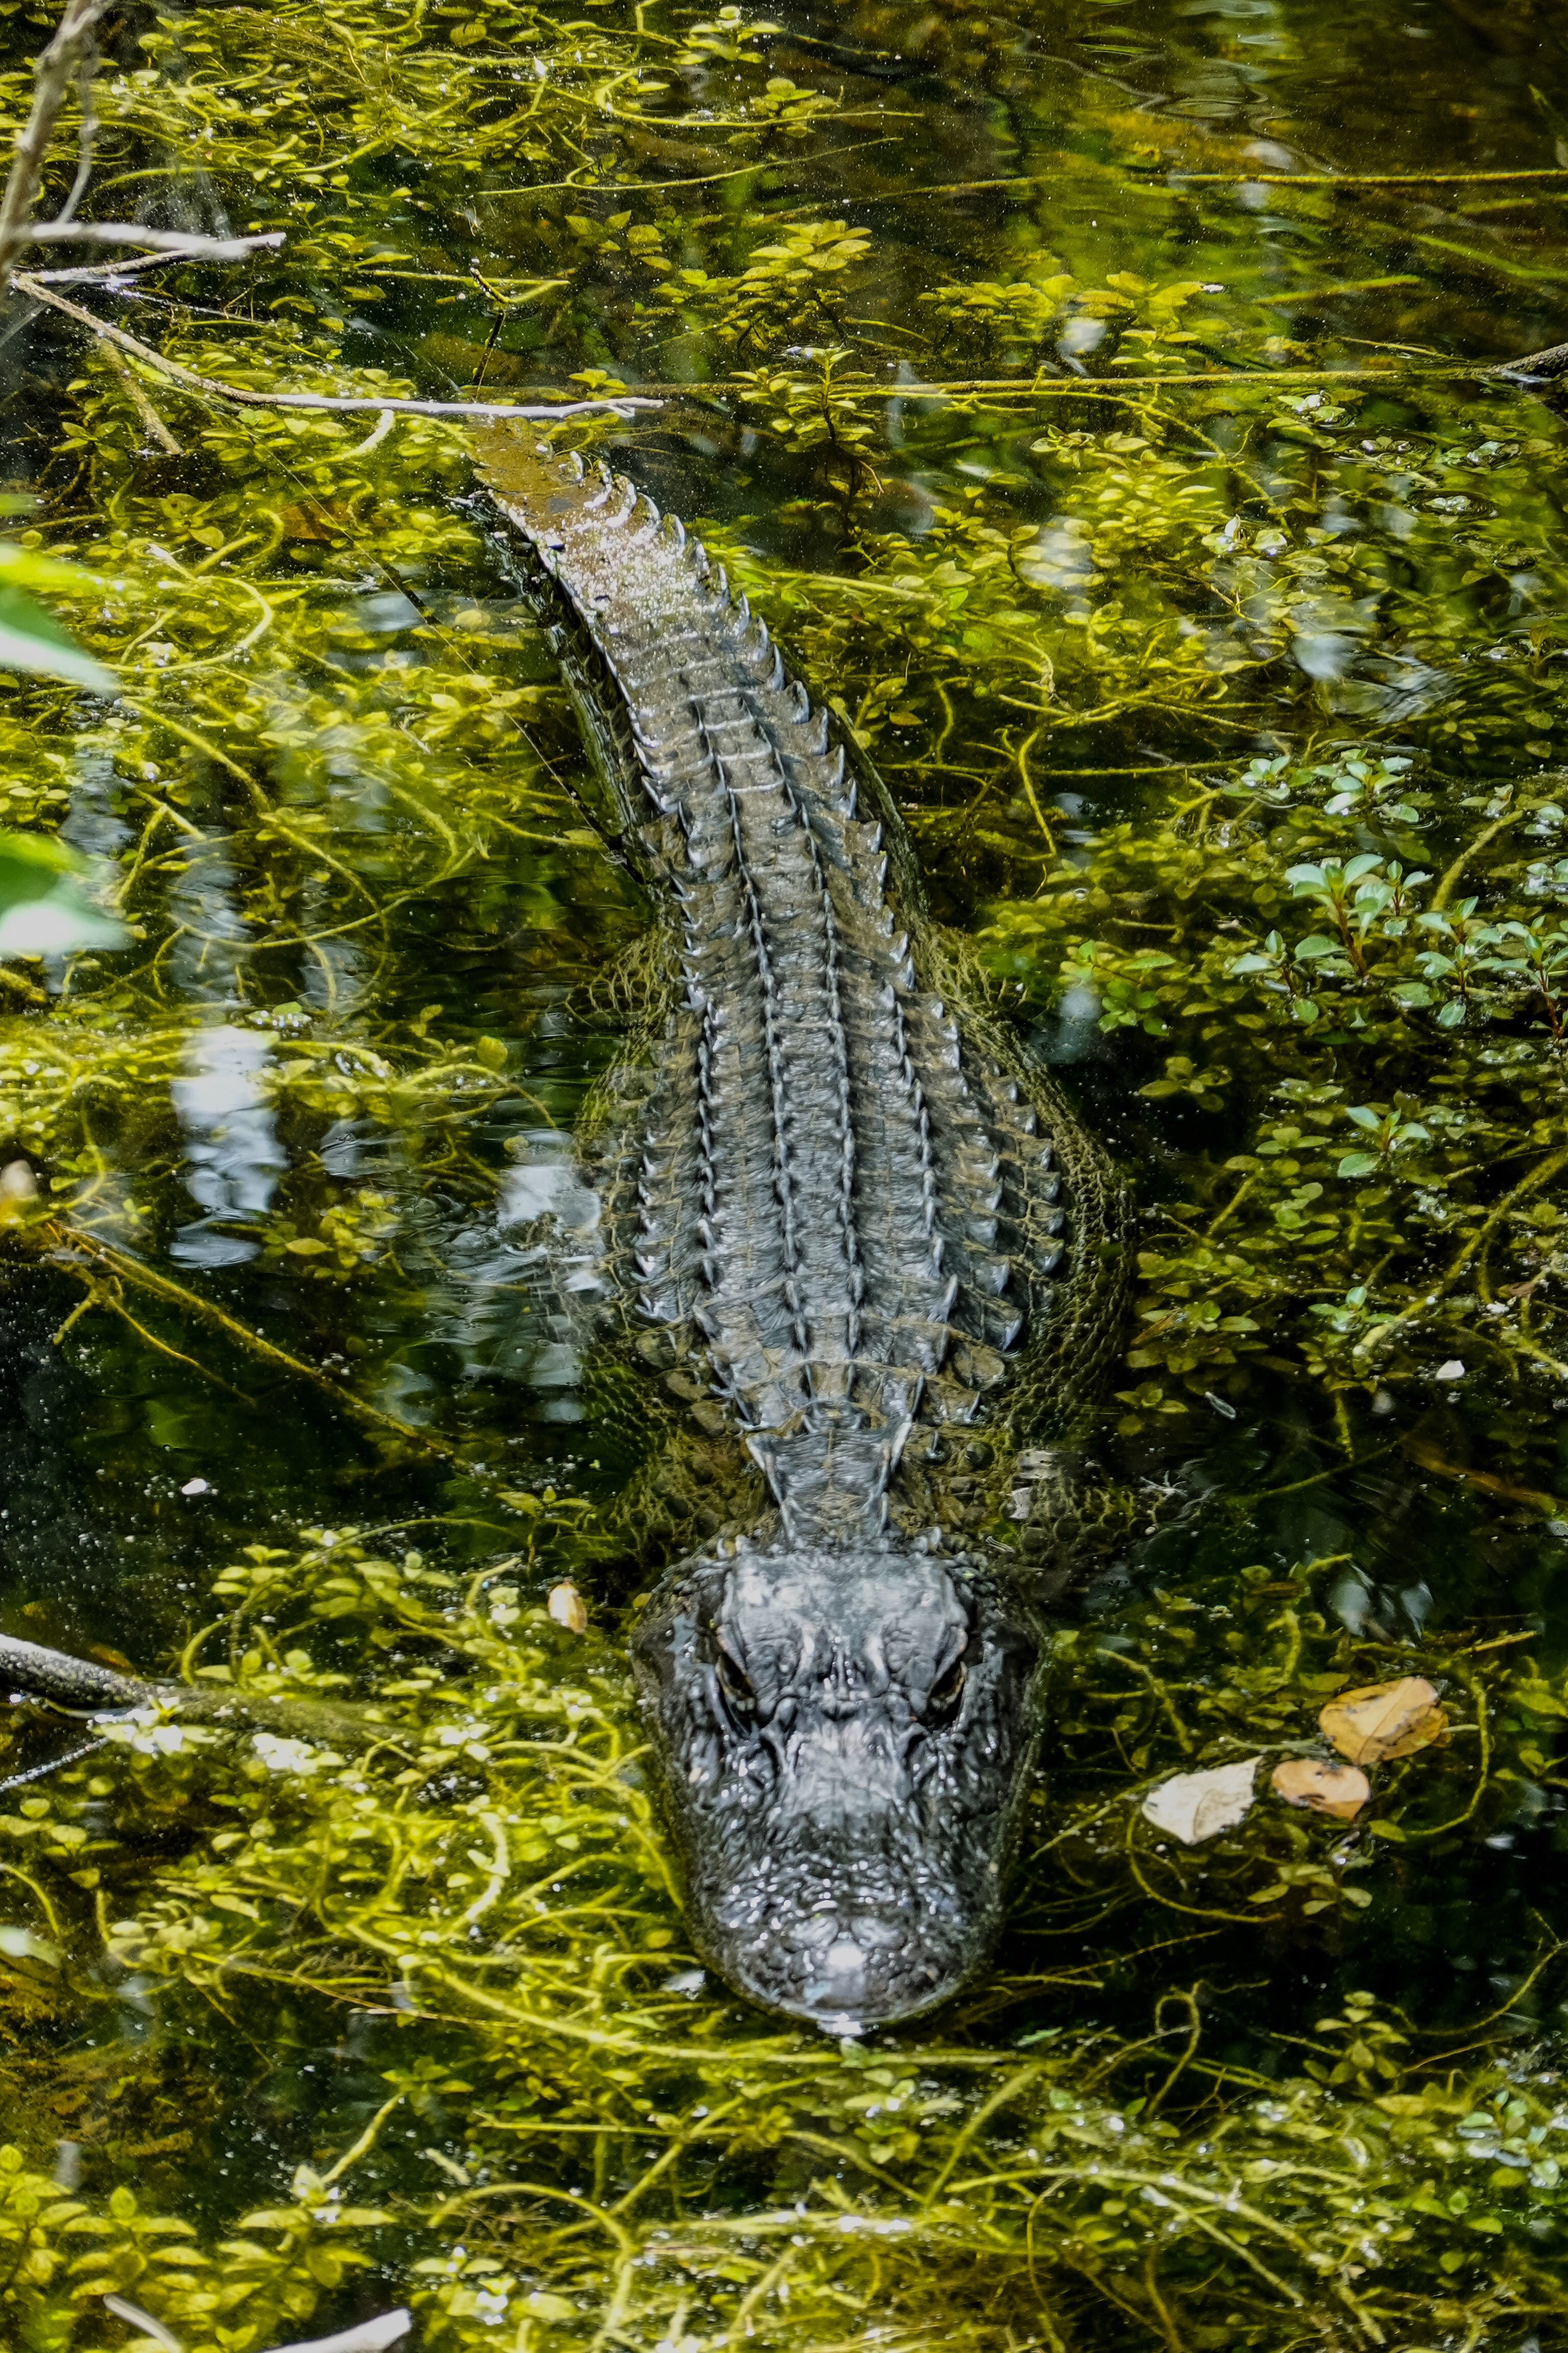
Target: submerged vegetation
[(1228, 713)]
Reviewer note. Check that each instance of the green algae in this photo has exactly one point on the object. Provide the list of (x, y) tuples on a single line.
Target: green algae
[(1227, 717), (488, 1877), (608, 2156)]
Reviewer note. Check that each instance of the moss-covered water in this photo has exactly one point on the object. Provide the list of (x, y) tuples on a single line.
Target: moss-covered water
[(1096, 400)]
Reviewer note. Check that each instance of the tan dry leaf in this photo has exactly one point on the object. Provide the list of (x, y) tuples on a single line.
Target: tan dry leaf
[(317, 520), (568, 1608), (1198, 1806), (1380, 1721), (1337, 1789)]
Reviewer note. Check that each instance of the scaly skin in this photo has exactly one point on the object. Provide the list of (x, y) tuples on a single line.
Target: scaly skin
[(843, 1196)]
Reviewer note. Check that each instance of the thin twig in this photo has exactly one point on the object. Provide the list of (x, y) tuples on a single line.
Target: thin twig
[(76, 1686), (332, 403), (655, 395), (55, 70), (86, 136), (74, 52), (1357, 179), (90, 272), (375, 438), (143, 407), (52, 1764), (1022, 387), (185, 244)]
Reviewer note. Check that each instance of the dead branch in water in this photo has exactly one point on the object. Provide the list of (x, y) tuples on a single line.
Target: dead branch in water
[(71, 50), (332, 404), (82, 1687)]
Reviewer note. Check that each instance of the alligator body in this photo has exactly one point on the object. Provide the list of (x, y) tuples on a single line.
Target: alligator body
[(879, 1238)]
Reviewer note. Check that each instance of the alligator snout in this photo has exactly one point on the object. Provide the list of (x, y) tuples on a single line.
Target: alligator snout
[(859, 1720), (844, 1970)]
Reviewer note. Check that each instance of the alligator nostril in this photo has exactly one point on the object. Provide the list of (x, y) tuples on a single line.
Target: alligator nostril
[(874, 1929), (813, 1934), (841, 1983)]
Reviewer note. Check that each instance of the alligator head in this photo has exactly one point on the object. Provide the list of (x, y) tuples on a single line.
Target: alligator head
[(844, 1739)]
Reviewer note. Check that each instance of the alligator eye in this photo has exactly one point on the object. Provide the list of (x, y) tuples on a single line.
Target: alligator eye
[(733, 1681), (945, 1695)]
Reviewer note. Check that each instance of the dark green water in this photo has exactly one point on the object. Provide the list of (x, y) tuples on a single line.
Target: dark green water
[(1101, 402)]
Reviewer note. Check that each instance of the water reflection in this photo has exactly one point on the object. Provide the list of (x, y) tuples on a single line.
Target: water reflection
[(210, 941), (233, 1155), (526, 1285)]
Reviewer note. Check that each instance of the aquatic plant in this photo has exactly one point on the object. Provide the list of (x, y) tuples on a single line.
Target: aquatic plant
[(582, 2137), (1226, 715)]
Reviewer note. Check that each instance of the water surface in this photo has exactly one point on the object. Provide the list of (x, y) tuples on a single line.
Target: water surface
[(1101, 402)]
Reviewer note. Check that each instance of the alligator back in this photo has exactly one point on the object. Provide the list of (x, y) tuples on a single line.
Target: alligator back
[(859, 1195)]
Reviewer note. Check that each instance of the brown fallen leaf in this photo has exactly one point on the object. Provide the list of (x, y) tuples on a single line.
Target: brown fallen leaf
[(1337, 1789), (111, 1658), (1380, 1721), (568, 1608), (1197, 1806), (319, 520)]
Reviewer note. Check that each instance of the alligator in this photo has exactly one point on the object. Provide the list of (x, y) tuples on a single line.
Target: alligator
[(854, 1228), (858, 1226)]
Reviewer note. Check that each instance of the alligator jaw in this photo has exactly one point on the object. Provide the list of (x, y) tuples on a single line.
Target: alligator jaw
[(845, 1736)]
